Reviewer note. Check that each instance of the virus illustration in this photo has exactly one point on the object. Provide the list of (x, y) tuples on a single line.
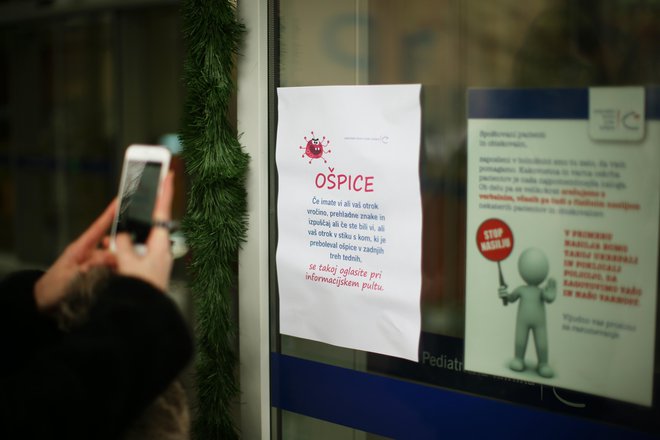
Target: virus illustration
[(315, 149)]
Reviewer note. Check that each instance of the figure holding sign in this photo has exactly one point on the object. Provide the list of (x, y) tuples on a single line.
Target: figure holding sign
[(533, 268), (495, 242)]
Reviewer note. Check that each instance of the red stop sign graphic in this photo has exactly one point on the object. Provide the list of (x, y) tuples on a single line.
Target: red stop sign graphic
[(494, 239)]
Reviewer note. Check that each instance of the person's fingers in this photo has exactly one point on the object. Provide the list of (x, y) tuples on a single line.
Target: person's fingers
[(105, 242), (158, 240), (163, 206), (159, 236), (93, 235), (123, 245), (99, 257)]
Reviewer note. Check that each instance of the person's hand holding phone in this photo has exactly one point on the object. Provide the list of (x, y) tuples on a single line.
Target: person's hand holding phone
[(155, 264), (79, 256)]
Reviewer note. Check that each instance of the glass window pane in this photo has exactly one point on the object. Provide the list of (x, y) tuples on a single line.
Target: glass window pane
[(449, 47)]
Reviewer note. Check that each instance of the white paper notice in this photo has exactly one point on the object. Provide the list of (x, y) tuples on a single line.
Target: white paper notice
[(562, 245), (349, 216)]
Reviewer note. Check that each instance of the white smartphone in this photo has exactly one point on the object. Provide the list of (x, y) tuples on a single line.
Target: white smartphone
[(143, 171)]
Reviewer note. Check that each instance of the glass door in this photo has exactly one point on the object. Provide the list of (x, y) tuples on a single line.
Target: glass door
[(322, 391)]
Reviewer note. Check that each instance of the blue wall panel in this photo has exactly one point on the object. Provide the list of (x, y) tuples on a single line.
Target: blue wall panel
[(406, 410)]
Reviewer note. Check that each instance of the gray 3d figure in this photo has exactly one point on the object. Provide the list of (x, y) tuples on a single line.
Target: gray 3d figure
[(533, 268)]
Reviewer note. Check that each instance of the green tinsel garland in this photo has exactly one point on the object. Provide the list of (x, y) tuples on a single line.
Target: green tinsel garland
[(215, 222)]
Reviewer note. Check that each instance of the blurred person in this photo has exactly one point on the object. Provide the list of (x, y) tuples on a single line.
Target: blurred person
[(95, 379)]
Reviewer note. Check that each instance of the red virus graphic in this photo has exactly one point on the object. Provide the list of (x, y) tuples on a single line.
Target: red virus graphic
[(315, 149)]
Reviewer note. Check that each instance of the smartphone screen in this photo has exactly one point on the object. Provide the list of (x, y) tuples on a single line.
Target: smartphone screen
[(138, 198)]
